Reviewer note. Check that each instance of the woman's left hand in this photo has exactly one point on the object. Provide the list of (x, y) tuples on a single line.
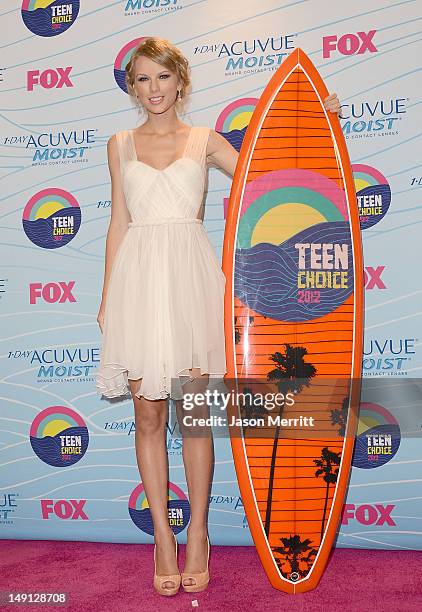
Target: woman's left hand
[(332, 103)]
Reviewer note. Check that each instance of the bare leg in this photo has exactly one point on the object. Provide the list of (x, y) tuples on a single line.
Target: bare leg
[(151, 455), (198, 458)]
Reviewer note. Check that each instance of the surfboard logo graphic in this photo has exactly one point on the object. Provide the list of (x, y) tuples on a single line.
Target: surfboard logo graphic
[(51, 218), (294, 228), (49, 17), (59, 436), (178, 509)]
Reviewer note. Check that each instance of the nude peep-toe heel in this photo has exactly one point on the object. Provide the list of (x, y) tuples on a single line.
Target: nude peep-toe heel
[(201, 578), (160, 580)]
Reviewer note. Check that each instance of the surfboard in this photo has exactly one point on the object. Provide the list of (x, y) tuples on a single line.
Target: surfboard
[(292, 258)]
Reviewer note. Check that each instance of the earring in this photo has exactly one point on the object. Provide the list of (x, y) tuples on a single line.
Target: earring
[(139, 105)]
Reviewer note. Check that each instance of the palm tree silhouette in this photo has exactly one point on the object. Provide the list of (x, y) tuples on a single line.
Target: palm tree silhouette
[(293, 552), (248, 408), (291, 374), (339, 416), (237, 332), (326, 464)]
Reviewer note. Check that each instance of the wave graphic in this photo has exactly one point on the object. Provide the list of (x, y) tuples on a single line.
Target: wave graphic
[(49, 448), (120, 76), (143, 518), (266, 275), (235, 137), (39, 21), (41, 231), (361, 459)]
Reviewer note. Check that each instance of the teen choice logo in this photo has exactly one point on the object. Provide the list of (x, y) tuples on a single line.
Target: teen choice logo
[(378, 437), (178, 509), (122, 61), (59, 436), (233, 121), (51, 218), (293, 253), (49, 17), (373, 194)]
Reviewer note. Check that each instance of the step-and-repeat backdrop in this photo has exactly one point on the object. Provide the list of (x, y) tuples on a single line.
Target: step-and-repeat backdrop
[(68, 465)]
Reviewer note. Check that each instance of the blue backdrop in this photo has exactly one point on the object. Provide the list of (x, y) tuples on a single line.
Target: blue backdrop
[(68, 466)]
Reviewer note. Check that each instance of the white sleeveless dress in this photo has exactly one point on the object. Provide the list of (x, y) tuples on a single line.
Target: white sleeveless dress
[(165, 298)]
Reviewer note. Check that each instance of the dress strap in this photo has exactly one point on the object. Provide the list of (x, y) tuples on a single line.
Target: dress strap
[(196, 146), (125, 147)]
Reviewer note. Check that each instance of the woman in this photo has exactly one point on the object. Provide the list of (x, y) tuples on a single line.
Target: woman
[(161, 313)]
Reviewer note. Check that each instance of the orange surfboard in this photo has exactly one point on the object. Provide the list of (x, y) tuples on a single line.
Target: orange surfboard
[(292, 258)]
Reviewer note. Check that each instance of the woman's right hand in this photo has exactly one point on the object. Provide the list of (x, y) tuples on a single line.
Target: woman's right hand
[(100, 317)]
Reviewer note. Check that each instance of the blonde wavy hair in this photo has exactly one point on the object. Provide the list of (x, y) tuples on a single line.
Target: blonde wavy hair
[(163, 52)]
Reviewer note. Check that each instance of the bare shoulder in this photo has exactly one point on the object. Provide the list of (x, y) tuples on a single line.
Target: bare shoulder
[(214, 141), (113, 154), (112, 146), (112, 142)]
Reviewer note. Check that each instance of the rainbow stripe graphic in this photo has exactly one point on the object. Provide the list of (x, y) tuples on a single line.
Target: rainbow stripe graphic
[(236, 116), (233, 121), (122, 60), (54, 420), (33, 5)]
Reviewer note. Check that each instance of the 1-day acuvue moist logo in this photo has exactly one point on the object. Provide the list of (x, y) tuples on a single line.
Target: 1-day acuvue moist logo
[(249, 55), (138, 7), (56, 364), (64, 145), (373, 118), (388, 356), (51, 218), (49, 17)]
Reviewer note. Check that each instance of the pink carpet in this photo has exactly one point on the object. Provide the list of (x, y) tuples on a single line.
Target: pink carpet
[(118, 577)]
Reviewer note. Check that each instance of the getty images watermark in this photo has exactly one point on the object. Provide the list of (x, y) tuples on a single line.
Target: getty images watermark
[(269, 407), (300, 408)]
